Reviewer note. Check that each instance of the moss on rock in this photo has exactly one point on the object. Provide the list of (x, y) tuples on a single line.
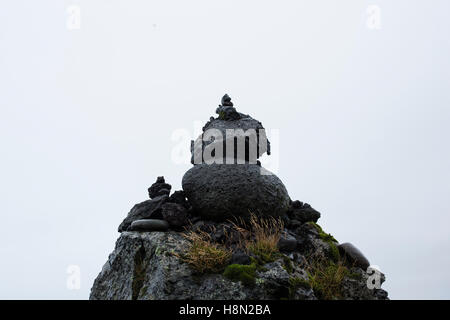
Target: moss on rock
[(333, 251), (240, 272), (287, 264)]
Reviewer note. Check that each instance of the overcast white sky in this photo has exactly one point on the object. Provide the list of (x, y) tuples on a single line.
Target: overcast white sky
[(87, 117)]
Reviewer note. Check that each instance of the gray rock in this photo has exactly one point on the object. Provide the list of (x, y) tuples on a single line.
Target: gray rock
[(240, 257), (276, 280), (144, 210), (220, 192), (175, 214), (355, 287), (162, 192), (226, 100), (180, 198), (228, 113), (146, 265), (303, 212), (229, 118), (198, 225), (310, 243), (294, 224), (159, 188), (149, 225), (287, 243), (354, 255), (143, 266)]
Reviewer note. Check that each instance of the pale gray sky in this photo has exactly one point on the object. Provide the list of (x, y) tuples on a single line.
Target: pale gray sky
[(87, 118)]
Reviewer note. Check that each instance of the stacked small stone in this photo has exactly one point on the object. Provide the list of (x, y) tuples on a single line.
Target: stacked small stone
[(159, 213)]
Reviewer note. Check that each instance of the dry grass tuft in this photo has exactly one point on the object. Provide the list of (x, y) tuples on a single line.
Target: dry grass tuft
[(260, 236), (326, 277), (204, 255)]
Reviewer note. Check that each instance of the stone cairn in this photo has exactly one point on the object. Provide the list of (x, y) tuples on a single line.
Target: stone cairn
[(215, 193)]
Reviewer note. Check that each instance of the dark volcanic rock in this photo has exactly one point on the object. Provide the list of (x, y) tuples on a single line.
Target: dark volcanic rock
[(220, 192), (356, 288), (303, 212), (240, 257), (294, 224), (180, 198), (287, 243), (144, 210), (162, 192), (276, 280), (228, 113), (149, 225), (354, 255), (226, 100), (175, 214), (230, 119), (159, 188)]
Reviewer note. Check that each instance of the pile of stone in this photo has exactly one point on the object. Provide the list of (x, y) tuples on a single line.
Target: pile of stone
[(216, 194), (218, 191), (213, 194), (159, 213)]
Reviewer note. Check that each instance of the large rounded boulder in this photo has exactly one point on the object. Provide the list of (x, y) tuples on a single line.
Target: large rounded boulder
[(223, 191)]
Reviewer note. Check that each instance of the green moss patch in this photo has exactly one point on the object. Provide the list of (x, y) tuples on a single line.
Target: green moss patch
[(262, 254), (239, 272), (287, 264), (333, 251), (322, 234)]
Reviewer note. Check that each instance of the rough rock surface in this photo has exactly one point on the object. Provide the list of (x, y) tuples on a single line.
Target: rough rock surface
[(145, 265), (175, 214), (355, 288), (219, 192), (144, 210), (229, 118), (159, 188), (303, 212), (287, 243), (180, 198)]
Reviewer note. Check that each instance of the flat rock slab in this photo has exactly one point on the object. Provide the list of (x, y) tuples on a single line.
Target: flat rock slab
[(149, 225), (223, 191), (143, 210), (355, 255)]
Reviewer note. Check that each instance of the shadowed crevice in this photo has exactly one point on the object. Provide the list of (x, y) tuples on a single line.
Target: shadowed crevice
[(138, 272)]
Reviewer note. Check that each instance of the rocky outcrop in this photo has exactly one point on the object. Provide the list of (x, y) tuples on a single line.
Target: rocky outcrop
[(297, 259), (143, 266), (146, 265), (220, 192)]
